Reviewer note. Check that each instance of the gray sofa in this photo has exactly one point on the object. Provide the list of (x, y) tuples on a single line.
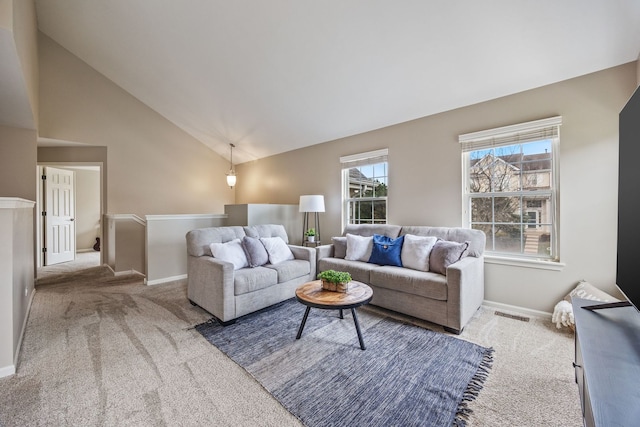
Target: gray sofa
[(449, 300), (214, 285)]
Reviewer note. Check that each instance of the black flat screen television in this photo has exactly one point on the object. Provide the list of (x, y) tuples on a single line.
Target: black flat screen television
[(628, 264)]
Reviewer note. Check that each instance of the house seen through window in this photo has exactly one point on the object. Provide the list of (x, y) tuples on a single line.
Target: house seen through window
[(510, 188), (365, 188)]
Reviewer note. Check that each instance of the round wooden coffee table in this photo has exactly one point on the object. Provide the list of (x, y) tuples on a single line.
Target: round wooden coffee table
[(312, 295)]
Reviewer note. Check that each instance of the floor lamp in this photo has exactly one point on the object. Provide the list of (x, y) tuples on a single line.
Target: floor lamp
[(311, 204)]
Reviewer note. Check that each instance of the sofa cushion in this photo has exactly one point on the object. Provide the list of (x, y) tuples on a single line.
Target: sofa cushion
[(359, 270), (277, 249), (339, 247), (359, 248), (267, 230), (420, 283), (416, 251), (445, 253), (477, 239), (199, 240), (231, 252), (256, 253), (292, 269), (253, 279), (386, 251)]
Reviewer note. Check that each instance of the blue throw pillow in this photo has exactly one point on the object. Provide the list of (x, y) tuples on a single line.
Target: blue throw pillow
[(386, 251)]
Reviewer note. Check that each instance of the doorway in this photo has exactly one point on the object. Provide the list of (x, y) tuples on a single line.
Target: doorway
[(87, 200)]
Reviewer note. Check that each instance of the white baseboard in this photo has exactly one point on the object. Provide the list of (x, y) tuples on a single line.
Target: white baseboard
[(7, 371), (166, 280), (83, 251), (126, 272), (516, 309), (123, 273), (24, 327), (11, 370)]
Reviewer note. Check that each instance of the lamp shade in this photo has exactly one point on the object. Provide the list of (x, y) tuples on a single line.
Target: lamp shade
[(312, 203), (231, 180)]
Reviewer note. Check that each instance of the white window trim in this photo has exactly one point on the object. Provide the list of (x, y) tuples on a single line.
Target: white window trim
[(485, 139), (359, 159), (540, 264)]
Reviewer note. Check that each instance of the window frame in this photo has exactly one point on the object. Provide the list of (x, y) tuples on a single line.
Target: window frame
[(358, 160), (519, 134)]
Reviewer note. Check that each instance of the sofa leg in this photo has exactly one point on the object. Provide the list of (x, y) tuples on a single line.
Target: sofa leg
[(453, 331)]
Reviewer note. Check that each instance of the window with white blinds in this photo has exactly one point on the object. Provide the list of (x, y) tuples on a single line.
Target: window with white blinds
[(511, 186)]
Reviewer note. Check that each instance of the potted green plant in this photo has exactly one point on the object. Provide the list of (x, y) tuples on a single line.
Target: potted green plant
[(311, 235), (337, 281)]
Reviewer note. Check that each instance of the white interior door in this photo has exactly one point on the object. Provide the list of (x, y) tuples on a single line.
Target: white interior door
[(59, 208)]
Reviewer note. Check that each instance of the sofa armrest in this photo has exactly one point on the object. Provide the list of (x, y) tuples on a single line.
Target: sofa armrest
[(465, 290), (303, 252), (210, 285), (307, 254), (324, 251)]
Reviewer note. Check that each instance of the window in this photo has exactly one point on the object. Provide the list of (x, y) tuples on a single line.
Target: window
[(364, 188), (510, 188)]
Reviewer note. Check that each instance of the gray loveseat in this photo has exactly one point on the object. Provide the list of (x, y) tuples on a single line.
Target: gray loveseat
[(229, 293), (449, 300)]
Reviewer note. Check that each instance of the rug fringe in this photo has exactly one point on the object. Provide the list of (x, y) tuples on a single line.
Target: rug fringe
[(212, 321), (473, 389)]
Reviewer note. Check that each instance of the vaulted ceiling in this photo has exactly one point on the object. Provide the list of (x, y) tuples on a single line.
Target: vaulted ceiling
[(275, 75)]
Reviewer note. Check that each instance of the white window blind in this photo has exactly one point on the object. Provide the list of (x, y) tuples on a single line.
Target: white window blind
[(514, 134), (362, 159)]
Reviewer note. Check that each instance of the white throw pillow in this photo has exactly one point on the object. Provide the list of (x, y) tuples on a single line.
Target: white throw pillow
[(416, 251), (232, 252), (359, 248), (277, 249)]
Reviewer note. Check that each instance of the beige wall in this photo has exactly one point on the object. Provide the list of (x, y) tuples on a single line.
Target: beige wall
[(255, 214), (84, 155), (25, 34), (17, 180), (153, 166), (426, 185), (6, 293), (16, 277), (6, 14), (18, 64), (17, 163), (167, 246), (130, 250), (87, 208)]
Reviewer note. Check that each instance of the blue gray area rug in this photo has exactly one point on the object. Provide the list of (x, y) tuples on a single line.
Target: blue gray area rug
[(407, 376)]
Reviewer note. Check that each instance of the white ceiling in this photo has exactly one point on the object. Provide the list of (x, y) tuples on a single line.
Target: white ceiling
[(272, 76)]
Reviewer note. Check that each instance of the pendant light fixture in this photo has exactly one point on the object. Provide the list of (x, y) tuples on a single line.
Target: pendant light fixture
[(231, 175)]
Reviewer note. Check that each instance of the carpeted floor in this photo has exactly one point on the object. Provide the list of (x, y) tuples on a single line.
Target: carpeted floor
[(407, 376), (83, 261), (100, 350)]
